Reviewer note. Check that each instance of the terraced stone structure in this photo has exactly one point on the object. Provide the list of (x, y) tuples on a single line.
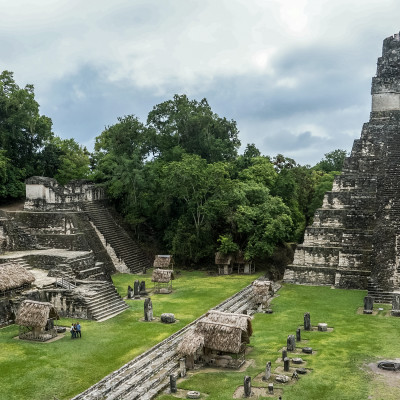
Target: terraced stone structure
[(354, 241), (69, 239)]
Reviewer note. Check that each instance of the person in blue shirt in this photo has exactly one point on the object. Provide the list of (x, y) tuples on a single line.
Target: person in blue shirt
[(78, 330)]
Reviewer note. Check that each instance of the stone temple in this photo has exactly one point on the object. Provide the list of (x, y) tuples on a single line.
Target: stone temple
[(354, 241)]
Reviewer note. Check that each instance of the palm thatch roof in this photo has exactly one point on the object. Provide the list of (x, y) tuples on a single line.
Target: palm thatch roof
[(219, 331), (162, 261), (35, 313), (223, 259), (13, 275), (191, 342), (260, 289), (162, 275)]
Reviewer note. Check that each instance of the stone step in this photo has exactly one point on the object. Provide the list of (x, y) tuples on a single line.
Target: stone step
[(110, 314)]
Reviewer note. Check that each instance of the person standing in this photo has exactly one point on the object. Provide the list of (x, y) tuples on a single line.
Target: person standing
[(78, 330), (73, 331)]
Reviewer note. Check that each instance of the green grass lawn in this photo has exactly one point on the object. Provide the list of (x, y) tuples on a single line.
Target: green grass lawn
[(66, 367), (338, 366)]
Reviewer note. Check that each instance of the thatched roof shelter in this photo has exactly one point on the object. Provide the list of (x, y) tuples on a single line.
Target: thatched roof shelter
[(163, 261), (162, 275), (35, 313), (218, 331), (223, 259), (190, 343), (13, 275)]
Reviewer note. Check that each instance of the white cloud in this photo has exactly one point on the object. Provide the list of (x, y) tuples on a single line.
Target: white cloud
[(227, 50)]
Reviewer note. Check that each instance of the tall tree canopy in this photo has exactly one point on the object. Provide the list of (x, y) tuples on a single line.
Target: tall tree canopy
[(27, 144), (23, 132), (189, 125)]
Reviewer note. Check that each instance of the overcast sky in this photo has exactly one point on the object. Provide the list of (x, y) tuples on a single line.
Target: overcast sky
[(294, 74)]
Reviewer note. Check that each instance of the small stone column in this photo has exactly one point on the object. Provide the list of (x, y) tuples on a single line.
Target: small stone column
[(247, 386), (172, 383), (291, 343), (298, 335), (148, 310), (142, 288), (267, 371), (284, 354), (130, 290), (182, 367), (270, 388), (307, 322), (136, 290), (368, 304), (396, 305), (286, 364)]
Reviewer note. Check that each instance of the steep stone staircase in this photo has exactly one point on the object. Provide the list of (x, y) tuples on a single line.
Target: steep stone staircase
[(379, 295), (103, 301), (123, 245)]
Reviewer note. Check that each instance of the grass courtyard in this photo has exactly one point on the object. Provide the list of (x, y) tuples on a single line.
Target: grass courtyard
[(339, 366), (66, 367)]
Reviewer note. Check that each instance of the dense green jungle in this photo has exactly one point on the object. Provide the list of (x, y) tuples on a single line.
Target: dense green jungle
[(178, 178)]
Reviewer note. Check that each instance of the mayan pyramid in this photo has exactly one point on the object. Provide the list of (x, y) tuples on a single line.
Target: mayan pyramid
[(354, 241)]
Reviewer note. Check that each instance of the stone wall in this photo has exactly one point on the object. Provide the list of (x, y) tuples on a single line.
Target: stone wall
[(67, 303), (24, 230), (47, 194)]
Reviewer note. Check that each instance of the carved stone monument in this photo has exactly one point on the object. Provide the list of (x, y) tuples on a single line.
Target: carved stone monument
[(270, 388), (286, 364), (368, 304), (148, 310), (247, 386), (291, 343), (298, 335), (136, 290), (142, 288), (284, 354), (172, 383), (130, 291), (307, 321), (182, 367), (267, 371), (396, 305)]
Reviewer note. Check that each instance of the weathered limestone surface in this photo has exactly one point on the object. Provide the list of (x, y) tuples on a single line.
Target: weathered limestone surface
[(353, 241), (47, 194)]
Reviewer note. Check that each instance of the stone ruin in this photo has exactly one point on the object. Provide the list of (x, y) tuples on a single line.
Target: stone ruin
[(69, 240), (354, 239)]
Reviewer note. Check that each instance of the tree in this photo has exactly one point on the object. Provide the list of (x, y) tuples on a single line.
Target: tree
[(73, 161), (262, 221), (191, 126), (192, 193), (23, 131), (23, 134), (119, 158), (333, 161)]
